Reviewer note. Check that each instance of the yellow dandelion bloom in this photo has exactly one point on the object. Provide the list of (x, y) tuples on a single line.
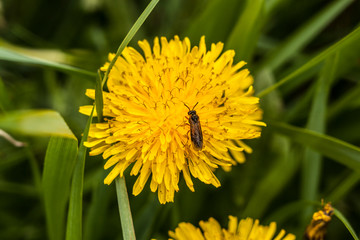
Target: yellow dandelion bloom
[(150, 102), (246, 229), (316, 230)]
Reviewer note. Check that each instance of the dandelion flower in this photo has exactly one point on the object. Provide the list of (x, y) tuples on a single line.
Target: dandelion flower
[(147, 110), (316, 230), (246, 229)]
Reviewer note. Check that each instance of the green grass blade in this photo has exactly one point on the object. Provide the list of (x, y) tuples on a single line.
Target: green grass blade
[(340, 151), (301, 37), (339, 215), (22, 190), (12, 56), (345, 41), (271, 104), (311, 169), (285, 212), (245, 34), (127, 225), (344, 187), (299, 108), (35, 169), (4, 98), (130, 35), (344, 102), (298, 81), (74, 222), (58, 167), (36, 123), (270, 5)]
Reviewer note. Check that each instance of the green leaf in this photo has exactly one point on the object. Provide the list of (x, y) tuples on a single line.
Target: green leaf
[(339, 215), (13, 56), (302, 36), (36, 123), (312, 160), (74, 222), (58, 167), (345, 41), (245, 34), (340, 151)]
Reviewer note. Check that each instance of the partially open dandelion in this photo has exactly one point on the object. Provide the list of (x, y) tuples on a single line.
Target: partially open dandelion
[(246, 229), (316, 230), (148, 106)]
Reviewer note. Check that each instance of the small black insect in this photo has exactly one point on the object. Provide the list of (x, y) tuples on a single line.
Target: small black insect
[(195, 128)]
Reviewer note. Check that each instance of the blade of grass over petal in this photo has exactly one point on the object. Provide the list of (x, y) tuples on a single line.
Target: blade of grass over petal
[(311, 167), (74, 221), (336, 149), (350, 38), (99, 101), (36, 123), (129, 36), (58, 168), (342, 218), (244, 35), (302, 36), (10, 55), (127, 225)]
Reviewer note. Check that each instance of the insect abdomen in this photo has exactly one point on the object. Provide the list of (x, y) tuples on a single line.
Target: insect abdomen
[(196, 132)]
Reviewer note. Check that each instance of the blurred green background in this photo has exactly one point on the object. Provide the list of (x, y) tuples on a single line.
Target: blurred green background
[(295, 41)]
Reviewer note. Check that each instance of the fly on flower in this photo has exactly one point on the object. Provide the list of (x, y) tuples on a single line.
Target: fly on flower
[(195, 128), (144, 107)]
